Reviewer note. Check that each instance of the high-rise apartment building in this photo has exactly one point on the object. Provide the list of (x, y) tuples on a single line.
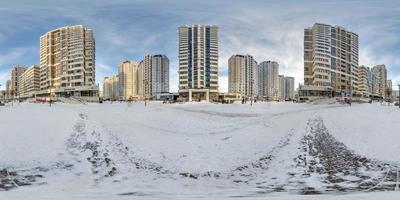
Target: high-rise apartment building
[(110, 88), (159, 74), (381, 75), (365, 81), (242, 75), (153, 76), (144, 77), (198, 62), (67, 62), (289, 88), (268, 83), (281, 87), (8, 90), (128, 80), (389, 89), (16, 73), (29, 82), (331, 59)]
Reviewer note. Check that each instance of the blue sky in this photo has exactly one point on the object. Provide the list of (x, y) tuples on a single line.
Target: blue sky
[(268, 30)]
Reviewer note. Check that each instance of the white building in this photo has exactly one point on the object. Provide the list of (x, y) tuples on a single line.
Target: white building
[(268, 83), (282, 87), (289, 88)]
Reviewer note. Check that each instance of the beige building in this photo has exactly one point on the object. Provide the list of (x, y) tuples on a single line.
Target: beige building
[(381, 75), (110, 88), (128, 80), (268, 80), (364, 81), (67, 62), (198, 62), (16, 73), (331, 59), (29, 82), (144, 77), (242, 75)]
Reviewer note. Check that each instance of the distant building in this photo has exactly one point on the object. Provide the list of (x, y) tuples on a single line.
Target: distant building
[(289, 88), (153, 76), (268, 82), (381, 74), (8, 90), (389, 89), (331, 60), (242, 75), (16, 73), (159, 74), (198, 62), (67, 62), (282, 87), (128, 80), (110, 88), (29, 82)]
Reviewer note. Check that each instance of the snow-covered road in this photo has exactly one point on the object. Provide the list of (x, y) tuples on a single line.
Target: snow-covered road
[(276, 150)]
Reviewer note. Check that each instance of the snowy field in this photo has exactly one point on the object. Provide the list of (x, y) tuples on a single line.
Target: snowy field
[(207, 151)]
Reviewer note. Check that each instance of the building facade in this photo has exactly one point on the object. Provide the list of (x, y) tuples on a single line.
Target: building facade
[(29, 82), (198, 62), (242, 75), (67, 62), (153, 76), (289, 88), (381, 75), (331, 59), (282, 88), (268, 82), (389, 89), (8, 94), (16, 74), (110, 88), (128, 80)]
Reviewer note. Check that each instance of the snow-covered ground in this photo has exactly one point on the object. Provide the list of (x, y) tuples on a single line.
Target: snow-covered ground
[(200, 150)]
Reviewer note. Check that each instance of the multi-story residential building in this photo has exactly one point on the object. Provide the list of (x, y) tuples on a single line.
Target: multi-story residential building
[(198, 62), (331, 59), (67, 62), (282, 87), (128, 80), (29, 82), (365, 81), (381, 75), (144, 77), (8, 89), (153, 76), (159, 74), (289, 88), (389, 89), (268, 85), (242, 75), (16, 73), (110, 88)]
